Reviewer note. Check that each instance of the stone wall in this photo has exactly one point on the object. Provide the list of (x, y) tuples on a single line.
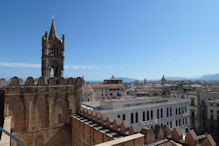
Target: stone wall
[(42, 108), (95, 129)]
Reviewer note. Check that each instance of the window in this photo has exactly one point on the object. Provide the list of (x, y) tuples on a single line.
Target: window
[(143, 115), (179, 122), (186, 121), (161, 113), (52, 52), (123, 117), (176, 111), (118, 116), (192, 101), (183, 121), (170, 124), (167, 112), (171, 111), (158, 114), (136, 117), (132, 118), (217, 112), (193, 114), (212, 117), (147, 115), (185, 109), (151, 114), (179, 111), (212, 111), (176, 123)]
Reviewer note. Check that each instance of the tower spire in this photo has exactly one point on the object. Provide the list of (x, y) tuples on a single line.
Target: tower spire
[(52, 33)]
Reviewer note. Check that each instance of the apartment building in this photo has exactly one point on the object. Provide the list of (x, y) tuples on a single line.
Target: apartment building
[(197, 107), (212, 118)]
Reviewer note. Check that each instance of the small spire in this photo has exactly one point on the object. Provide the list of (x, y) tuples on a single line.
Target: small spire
[(52, 33)]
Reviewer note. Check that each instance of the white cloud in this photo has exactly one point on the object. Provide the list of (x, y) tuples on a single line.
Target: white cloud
[(80, 67), (30, 65), (27, 65)]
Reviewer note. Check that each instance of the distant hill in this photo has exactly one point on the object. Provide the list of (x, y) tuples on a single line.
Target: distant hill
[(126, 79), (176, 78), (210, 77)]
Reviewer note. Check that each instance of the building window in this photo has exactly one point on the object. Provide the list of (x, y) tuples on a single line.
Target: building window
[(212, 117), (167, 112), (186, 120), (179, 111), (183, 121), (147, 115), (212, 111), (136, 117), (158, 113), (217, 112), (176, 111), (151, 114), (185, 109), (193, 114), (170, 124), (123, 117), (118, 116), (192, 101), (179, 122), (161, 113), (171, 111), (132, 118), (143, 115), (176, 123)]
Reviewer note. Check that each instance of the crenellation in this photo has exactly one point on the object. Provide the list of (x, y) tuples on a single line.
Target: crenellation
[(14, 81), (30, 81)]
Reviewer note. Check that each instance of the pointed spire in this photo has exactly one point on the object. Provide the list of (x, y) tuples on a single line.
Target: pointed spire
[(52, 33)]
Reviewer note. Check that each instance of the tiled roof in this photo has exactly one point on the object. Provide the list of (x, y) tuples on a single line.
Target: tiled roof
[(86, 87), (146, 90)]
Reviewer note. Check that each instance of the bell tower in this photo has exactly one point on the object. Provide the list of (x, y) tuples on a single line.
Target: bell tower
[(52, 54)]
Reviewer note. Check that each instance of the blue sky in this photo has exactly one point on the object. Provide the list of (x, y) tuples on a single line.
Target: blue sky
[(128, 38)]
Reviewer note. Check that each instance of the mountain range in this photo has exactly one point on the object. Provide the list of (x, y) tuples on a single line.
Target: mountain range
[(209, 77)]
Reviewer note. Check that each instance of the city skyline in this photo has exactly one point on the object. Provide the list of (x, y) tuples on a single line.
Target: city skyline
[(140, 40)]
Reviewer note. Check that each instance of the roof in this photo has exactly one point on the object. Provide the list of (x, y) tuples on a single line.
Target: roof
[(86, 87), (147, 89), (105, 85), (52, 33), (136, 99)]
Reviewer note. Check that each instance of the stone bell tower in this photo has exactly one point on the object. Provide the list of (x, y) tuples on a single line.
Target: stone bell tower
[(52, 54)]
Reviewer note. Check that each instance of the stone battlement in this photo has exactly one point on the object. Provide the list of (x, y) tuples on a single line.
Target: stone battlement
[(52, 81), (159, 135)]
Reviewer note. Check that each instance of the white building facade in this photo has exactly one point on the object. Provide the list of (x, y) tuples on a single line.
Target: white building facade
[(150, 111)]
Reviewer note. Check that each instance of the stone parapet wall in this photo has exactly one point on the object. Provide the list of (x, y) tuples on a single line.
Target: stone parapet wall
[(159, 135), (39, 105)]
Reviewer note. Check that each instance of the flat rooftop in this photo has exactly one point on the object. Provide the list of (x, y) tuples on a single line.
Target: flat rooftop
[(137, 102)]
